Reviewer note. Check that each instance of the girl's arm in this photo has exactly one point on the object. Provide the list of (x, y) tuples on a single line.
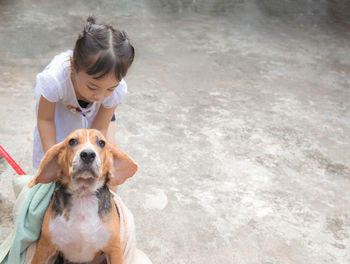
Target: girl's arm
[(46, 123), (103, 119)]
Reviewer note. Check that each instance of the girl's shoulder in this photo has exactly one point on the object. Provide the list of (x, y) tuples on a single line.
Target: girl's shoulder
[(55, 78), (59, 66)]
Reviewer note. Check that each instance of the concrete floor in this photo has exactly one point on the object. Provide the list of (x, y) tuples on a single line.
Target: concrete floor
[(238, 114)]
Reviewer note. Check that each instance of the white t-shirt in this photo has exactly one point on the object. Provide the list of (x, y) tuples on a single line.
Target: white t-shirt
[(55, 85)]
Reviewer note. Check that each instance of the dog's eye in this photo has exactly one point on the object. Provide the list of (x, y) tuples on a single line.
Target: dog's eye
[(72, 142), (101, 143)]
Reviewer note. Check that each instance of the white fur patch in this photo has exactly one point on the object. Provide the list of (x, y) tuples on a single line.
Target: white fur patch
[(83, 235), (88, 146)]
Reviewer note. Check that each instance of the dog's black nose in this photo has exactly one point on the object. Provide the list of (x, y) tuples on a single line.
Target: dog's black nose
[(87, 156)]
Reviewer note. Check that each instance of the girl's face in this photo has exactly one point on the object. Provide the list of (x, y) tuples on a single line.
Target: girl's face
[(91, 90)]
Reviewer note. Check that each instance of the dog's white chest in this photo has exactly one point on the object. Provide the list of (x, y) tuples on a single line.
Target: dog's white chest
[(83, 235)]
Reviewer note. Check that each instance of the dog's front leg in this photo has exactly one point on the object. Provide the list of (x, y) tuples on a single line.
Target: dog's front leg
[(45, 252), (114, 253)]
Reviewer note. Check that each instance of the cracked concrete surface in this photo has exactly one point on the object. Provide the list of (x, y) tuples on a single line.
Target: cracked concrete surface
[(238, 114)]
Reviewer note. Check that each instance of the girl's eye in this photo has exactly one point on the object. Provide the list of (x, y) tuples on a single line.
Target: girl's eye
[(110, 90), (72, 142), (101, 143), (92, 89)]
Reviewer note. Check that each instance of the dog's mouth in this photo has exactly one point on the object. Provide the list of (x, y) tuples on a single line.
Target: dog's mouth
[(85, 176), (85, 173), (84, 181)]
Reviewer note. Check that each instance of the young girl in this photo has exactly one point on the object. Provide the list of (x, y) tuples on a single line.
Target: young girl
[(82, 88)]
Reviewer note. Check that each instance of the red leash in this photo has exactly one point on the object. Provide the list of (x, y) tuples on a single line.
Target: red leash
[(10, 160)]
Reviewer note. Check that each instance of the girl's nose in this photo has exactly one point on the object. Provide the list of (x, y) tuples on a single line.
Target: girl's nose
[(97, 97)]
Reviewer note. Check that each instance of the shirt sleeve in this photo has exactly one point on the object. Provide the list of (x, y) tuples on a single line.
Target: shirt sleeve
[(47, 86), (116, 97)]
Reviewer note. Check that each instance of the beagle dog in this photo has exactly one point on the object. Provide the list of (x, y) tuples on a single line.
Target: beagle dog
[(81, 222)]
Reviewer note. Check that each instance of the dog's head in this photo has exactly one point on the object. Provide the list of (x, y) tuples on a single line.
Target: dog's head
[(84, 161)]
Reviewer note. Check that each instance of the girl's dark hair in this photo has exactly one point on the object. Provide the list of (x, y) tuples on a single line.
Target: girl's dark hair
[(101, 50)]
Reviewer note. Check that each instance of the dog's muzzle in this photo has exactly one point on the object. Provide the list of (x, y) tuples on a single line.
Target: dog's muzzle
[(86, 164)]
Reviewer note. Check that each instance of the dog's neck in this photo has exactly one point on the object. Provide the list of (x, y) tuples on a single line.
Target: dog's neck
[(64, 197)]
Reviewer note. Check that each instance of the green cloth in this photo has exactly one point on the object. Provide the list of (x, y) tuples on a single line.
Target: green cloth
[(28, 211)]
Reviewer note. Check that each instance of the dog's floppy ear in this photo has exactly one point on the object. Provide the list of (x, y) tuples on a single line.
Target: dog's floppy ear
[(123, 166), (48, 169)]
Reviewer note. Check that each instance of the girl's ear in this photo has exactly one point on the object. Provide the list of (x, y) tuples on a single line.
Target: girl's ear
[(49, 167), (123, 166)]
